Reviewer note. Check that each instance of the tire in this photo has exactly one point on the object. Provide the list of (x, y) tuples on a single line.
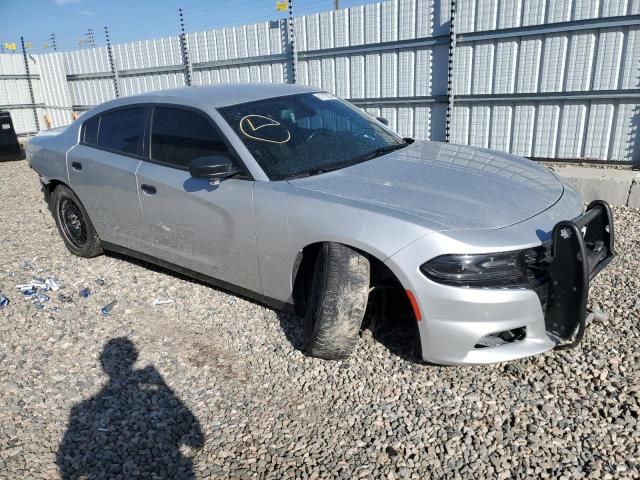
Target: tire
[(336, 302), (74, 224)]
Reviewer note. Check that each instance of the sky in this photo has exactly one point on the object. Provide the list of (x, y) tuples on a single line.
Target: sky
[(129, 20)]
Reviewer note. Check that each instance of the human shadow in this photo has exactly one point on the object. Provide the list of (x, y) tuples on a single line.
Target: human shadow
[(132, 428)]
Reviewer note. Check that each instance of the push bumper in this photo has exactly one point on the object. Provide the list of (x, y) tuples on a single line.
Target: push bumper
[(581, 249), (455, 320)]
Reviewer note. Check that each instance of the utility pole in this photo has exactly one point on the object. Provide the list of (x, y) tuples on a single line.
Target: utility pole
[(30, 85), (112, 63), (184, 50), (336, 4), (292, 44), (450, 92), (92, 40)]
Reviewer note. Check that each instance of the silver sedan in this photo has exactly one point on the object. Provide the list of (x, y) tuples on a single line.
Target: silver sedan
[(297, 199)]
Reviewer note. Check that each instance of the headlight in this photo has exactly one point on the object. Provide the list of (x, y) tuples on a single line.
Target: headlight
[(504, 269)]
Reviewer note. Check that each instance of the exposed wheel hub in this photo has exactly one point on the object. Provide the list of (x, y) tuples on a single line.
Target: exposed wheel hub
[(72, 222)]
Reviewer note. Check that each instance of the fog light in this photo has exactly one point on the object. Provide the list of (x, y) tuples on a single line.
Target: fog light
[(502, 338)]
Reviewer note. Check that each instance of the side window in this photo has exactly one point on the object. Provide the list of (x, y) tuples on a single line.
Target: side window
[(90, 132), (178, 136), (122, 130)]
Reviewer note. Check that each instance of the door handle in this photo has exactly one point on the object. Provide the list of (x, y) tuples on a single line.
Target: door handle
[(148, 189), (77, 166)]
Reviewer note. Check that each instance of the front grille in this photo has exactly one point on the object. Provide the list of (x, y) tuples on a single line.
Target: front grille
[(537, 261)]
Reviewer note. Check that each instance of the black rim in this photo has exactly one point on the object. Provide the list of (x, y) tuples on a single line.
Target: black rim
[(72, 221)]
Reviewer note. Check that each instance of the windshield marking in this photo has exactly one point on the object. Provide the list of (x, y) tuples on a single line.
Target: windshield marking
[(271, 123)]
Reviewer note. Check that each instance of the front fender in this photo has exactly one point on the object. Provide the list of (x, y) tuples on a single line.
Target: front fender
[(287, 221)]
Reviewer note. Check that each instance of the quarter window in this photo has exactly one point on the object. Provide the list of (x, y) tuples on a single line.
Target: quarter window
[(91, 131), (122, 130), (179, 136)]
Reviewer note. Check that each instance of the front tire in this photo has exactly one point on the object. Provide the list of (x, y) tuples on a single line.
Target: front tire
[(73, 223), (336, 301)]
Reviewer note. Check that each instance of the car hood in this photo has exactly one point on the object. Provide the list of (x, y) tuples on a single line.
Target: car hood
[(447, 187)]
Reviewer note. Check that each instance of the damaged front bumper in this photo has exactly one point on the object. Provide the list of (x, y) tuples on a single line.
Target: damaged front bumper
[(552, 313), (580, 250)]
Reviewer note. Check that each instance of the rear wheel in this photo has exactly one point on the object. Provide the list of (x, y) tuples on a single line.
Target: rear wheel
[(336, 301), (73, 223)]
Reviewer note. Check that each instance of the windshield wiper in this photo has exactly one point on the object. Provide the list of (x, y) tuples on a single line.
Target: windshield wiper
[(381, 151), (360, 158), (315, 171)]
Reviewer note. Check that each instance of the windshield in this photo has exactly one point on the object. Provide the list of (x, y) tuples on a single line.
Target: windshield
[(308, 133)]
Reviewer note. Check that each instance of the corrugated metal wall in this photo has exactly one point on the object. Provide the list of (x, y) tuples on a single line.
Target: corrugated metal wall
[(561, 68), (541, 78), (55, 89), (214, 54), (381, 81), (14, 90)]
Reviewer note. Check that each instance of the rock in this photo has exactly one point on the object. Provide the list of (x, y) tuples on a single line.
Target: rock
[(264, 409)]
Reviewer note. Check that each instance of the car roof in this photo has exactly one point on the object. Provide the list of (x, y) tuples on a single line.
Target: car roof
[(212, 96)]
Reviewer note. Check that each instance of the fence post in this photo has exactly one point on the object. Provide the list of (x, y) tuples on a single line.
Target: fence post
[(112, 64), (184, 51), (450, 94), (31, 95), (92, 40), (292, 44)]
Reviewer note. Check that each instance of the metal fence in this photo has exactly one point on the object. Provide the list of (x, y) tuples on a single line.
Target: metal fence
[(539, 78)]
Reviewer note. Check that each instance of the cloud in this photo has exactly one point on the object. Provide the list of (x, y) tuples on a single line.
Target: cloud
[(62, 3), (85, 12)]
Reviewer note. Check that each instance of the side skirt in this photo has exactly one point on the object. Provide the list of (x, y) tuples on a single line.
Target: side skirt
[(214, 282)]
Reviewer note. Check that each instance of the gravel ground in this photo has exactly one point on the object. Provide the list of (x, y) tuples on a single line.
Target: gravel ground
[(213, 386)]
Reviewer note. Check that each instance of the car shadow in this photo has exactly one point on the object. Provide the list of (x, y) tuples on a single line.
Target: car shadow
[(132, 428), (392, 324), (397, 333), (12, 156)]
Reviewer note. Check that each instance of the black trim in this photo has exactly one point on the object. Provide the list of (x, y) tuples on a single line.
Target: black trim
[(221, 284), (146, 146), (144, 106), (577, 258)]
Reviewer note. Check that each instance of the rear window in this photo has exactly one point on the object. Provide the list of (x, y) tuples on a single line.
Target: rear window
[(122, 130), (90, 135)]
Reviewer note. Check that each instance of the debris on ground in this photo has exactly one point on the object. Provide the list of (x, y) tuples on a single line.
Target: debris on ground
[(84, 293), (52, 284), (106, 310), (162, 301), (4, 301), (62, 298), (265, 409), (28, 292), (33, 285)]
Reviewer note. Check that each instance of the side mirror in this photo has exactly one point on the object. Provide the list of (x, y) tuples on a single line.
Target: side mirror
[(383, 120), (214, 168)]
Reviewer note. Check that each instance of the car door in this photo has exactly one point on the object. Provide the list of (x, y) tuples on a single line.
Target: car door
[(192, 223), (102, 173)]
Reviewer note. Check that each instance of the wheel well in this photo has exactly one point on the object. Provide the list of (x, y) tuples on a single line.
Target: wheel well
[(48, 188), (388, 307), (47, 191)]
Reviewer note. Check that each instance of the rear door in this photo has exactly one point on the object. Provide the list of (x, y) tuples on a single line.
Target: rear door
[(102, 173), (201, 227)]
